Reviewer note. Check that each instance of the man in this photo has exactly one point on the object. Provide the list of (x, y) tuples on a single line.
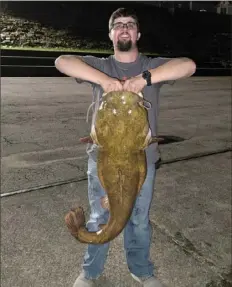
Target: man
[(127, 70)]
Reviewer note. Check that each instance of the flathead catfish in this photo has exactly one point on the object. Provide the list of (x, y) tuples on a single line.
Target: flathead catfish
[(122, 132)]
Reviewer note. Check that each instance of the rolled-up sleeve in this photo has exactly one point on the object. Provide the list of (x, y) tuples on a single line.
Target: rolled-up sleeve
[(95, 62)]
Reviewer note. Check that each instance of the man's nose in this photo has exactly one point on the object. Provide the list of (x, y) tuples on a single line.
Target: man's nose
[(124, 26)]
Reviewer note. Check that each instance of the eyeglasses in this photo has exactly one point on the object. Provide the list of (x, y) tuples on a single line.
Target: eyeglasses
[(120, 25)]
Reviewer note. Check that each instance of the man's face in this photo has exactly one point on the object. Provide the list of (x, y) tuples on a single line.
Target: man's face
[(124, 37)]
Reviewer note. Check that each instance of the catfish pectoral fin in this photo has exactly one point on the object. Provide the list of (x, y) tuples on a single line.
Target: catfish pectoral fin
[(105, 202), (155, 140), (75, 219), (102, 226)]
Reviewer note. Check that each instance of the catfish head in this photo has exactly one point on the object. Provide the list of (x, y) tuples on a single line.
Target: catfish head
[(122, 123)]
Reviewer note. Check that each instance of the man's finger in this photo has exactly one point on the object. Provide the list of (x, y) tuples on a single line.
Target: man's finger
[(86, 140), (125, 85)]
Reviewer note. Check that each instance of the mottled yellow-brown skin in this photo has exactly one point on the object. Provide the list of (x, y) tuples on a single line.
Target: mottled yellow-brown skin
[(121, 131)]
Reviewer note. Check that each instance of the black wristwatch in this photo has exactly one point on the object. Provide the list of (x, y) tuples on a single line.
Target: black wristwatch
[(147, 76)]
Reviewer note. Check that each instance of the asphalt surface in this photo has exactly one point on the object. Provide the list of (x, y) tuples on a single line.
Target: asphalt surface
[(43, 175)]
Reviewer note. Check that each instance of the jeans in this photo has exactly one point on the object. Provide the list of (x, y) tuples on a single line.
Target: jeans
[(137, 232)]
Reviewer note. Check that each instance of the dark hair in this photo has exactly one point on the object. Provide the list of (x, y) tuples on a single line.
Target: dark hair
[(123, 12)]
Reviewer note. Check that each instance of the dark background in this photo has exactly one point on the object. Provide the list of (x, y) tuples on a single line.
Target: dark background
[(203, 36)]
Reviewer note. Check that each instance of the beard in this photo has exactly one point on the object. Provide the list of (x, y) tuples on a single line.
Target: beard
[(124, 46)]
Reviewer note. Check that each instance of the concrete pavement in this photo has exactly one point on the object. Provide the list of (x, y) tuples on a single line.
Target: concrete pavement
[(42, 120)]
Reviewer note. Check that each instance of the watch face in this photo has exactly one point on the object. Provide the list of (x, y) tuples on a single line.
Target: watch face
[(145, 74)]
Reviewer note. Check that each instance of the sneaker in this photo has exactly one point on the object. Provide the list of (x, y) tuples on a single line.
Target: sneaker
[(81, 281), (148, 281)]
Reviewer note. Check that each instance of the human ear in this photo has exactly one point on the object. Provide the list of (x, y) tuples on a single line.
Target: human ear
[(110, 36), (139, 35)]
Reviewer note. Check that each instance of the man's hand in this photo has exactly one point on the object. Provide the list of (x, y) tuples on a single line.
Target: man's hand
[(111, 84), (87, 139), (134, 84)]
